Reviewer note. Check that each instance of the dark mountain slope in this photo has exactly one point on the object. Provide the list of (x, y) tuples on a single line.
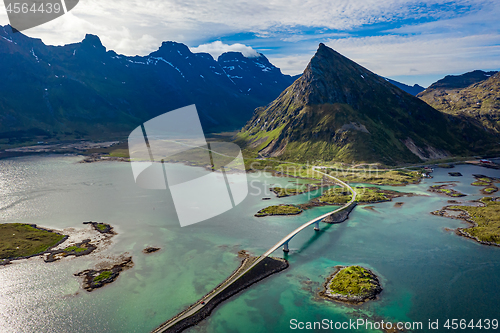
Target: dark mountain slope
[(84, 90)]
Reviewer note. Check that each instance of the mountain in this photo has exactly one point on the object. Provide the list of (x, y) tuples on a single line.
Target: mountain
[(412, 90), (340, 111), (460, 81), (479, 102), (84, 90)]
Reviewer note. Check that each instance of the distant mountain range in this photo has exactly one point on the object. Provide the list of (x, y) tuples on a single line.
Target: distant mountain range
[(340, 111), (473, 96), (412, 90), (83, 90)]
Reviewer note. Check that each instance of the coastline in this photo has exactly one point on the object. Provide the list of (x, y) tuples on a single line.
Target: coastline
[(463, 216), (91, 237)]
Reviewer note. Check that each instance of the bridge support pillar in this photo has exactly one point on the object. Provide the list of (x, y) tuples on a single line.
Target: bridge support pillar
[(285, 247), (316, 226)]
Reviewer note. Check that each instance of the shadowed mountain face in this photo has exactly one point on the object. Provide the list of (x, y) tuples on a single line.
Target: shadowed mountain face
[(474, 96), (82, 90), (339, 110)]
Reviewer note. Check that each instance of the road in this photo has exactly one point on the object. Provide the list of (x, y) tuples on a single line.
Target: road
[(198, 306)]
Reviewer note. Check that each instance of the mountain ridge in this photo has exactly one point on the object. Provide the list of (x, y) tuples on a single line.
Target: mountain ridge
[(478, 102), (83, 89)]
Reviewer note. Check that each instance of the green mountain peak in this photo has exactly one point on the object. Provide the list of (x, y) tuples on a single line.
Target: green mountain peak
[(340, 111)]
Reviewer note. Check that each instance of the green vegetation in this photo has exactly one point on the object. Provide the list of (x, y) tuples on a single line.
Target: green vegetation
[(336, 195), (445, 165), (103, 276), (353, 281), (373, 122), (487, 219), (485, 179), (20, 240), (341, 195), (480, 183), (443, 190), (75, 249), (101, 226), (392, 177), (490, 190), (285, 192), (279, 210), (477, 102)]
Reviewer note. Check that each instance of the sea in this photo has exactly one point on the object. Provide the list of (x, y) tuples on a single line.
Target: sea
[(429, 274)]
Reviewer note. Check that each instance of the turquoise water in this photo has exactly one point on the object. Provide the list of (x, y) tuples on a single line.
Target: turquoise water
[(427, 272)]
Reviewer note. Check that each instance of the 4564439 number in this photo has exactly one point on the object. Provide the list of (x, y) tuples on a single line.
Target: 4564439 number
[(25, 8), (462, 324)]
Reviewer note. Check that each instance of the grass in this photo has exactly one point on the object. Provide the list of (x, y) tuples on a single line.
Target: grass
[(487, 219), (480, 183), (103, 276), (285, 192), (447, 191), (21, 240), (392, 177), (101, 226), (352, 281), (336, 195), (489, 190), (74, 248), (341, 195), (279, 210)]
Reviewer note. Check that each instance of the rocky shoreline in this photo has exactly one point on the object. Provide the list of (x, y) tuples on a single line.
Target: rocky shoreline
[(94, 279), (262, 213), (326, 293), (464, 216), (443, 189), (80, 249), (74, 243)]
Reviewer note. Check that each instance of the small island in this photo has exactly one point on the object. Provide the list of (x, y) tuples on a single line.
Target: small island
[(279, 210), (19, 241), (351, 284), (22, 241), (103, 228), (287, 191), (444, 189), (487, 182), (484, 219), (151, 249), (364, 195), (94, 279)]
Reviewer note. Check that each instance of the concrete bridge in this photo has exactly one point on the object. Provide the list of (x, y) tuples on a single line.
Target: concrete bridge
[(283, 242)]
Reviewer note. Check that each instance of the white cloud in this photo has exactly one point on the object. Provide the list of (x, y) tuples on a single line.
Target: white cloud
[(193, 22), (459, 35), (217, 48), (292, 64)]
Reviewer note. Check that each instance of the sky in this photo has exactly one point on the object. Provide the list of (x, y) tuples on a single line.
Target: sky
[(412, 41)]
